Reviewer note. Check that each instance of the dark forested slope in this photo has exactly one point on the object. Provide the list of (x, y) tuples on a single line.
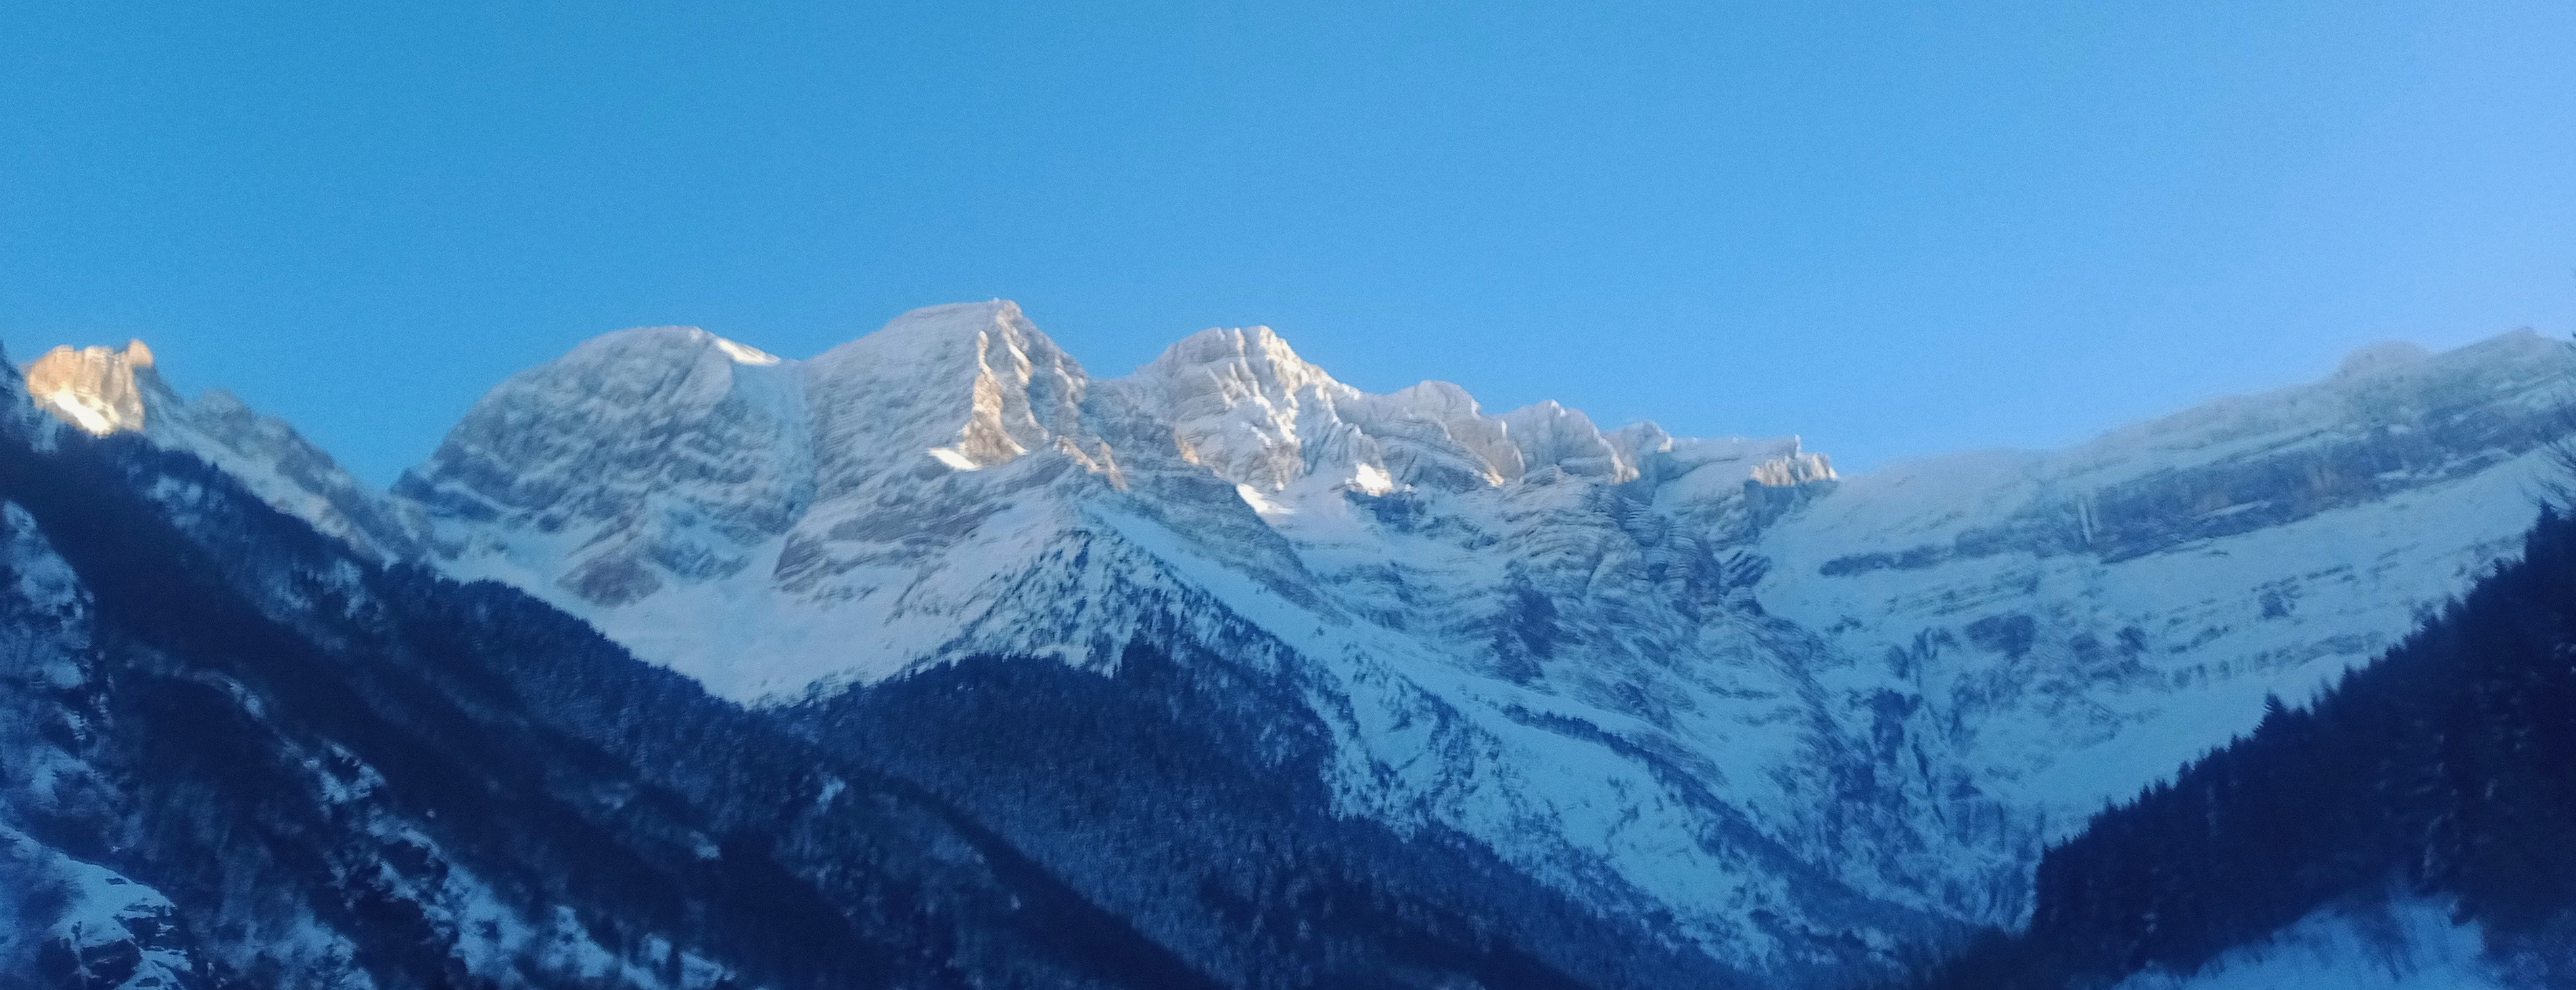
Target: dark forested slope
[(340, 776), (1189, 795)]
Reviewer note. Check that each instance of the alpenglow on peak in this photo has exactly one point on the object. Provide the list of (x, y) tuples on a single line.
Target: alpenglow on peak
[(90, 387)]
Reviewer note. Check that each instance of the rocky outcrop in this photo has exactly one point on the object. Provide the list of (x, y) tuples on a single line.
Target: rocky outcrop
[(93, 388)]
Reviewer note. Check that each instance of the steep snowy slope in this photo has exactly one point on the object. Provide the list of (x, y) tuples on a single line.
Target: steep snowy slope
[(2072, 625)]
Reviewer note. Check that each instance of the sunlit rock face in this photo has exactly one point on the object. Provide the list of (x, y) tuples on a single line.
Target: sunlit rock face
[(91, 387), (104, 390)]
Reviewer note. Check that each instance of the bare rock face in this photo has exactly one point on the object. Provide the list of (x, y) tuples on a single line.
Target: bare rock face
[(91, 387)]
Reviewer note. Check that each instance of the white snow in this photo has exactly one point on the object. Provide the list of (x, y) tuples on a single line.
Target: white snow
[(2405, 944), (951, 457), (742, 354), (97, 906), (1262, 503), (84, 411), (2210, 626)]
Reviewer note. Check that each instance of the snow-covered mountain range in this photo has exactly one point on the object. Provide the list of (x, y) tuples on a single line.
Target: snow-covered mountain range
[(1798, 720)]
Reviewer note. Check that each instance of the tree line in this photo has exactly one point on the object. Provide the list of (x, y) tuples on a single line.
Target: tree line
[(2447, 767)]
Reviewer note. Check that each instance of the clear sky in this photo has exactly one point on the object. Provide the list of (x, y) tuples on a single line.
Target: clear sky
[(1894, 229)]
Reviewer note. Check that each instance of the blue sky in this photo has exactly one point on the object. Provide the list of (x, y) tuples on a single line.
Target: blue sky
[(1894, 229)]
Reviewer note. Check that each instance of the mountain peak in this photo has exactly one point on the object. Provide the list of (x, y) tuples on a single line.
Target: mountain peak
[(1551, 435), (93, 387), (1242, 359), (677, 343), (969, 385), (949, 321)]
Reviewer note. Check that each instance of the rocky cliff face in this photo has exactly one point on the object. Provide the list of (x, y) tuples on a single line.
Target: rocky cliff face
[(91, 387), (2070, 625)]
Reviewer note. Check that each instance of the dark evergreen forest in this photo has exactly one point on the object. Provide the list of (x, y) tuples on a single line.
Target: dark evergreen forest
[(2447, 767), (1189, 794)]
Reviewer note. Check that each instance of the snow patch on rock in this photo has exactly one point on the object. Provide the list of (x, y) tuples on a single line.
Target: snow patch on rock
[(2406, 944)]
